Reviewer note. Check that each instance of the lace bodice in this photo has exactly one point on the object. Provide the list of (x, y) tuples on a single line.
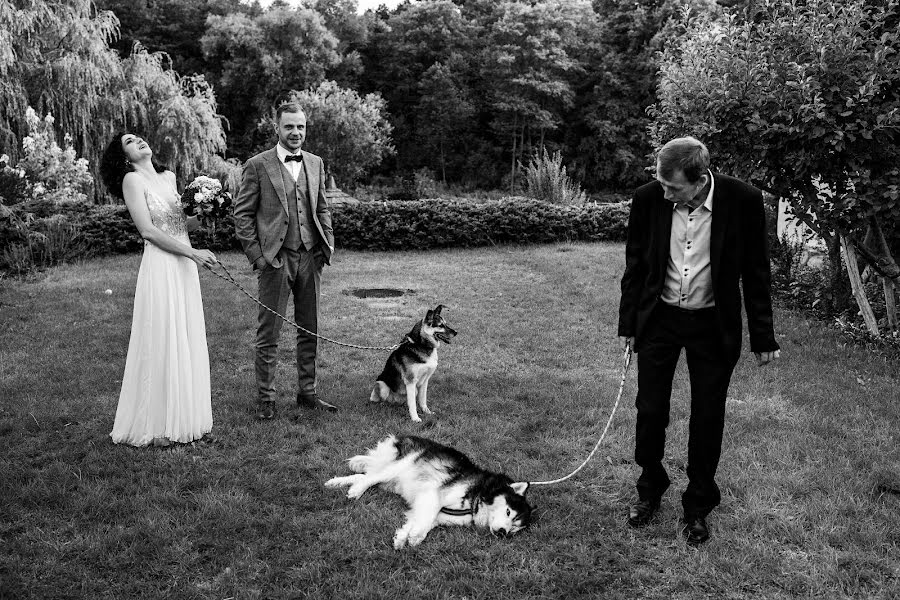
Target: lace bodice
[(166, 214)]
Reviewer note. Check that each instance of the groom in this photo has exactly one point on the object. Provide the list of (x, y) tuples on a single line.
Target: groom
[(283, 221)]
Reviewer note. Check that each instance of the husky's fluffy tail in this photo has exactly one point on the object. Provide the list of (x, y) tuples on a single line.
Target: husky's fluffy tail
[(376, 459)]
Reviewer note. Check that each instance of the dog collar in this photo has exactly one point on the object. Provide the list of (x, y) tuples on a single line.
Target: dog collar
[(457, 512), (461, 512)]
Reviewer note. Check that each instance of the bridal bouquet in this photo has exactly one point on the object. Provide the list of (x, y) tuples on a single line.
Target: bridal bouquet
[(205, 199)]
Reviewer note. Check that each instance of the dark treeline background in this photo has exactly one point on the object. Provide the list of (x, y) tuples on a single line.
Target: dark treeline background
[(472, 87)]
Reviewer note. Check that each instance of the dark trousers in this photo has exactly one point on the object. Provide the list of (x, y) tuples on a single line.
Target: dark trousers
[(300, 274), (709, 367)]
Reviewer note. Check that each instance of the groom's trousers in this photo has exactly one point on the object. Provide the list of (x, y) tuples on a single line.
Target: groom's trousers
[(299, 275)]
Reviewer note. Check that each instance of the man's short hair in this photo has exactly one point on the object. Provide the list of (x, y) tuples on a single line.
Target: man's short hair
[(289, 107), (686, 154)]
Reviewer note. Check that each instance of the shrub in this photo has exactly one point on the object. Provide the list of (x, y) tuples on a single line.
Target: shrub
[(546, 180), (420, 225), (95, 230)]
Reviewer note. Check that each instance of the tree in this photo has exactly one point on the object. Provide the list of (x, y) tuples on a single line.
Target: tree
[(402, 47), (804, 101), (530, 68), (349, 132), (262, 58), (171, 26), (56, 58), (444, 112)]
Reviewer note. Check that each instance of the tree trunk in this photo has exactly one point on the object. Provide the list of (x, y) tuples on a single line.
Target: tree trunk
[(512, 172), (856, 284), (890, 304), (443, 164)]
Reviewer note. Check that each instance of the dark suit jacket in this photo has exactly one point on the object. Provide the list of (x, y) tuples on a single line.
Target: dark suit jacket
[(261, 209), (739, 254)]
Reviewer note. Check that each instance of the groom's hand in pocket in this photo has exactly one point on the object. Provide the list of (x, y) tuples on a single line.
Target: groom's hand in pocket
[(260, 263)]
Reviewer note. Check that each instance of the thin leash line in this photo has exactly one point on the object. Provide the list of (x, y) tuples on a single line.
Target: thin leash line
[(230, 279), (627, 359)]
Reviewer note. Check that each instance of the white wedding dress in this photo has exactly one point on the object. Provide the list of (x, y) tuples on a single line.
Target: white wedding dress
[(165, 388)]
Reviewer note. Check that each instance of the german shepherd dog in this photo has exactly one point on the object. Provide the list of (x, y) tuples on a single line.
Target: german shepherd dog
[(441, 486), (409, 367)]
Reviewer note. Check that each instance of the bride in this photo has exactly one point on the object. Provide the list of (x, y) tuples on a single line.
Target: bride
[(165, 395)]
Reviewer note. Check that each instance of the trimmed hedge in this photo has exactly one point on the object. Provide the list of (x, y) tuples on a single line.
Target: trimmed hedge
[(412, 225), (424, 224)]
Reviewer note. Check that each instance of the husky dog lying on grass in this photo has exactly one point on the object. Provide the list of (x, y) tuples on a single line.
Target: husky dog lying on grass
[(440, 485)]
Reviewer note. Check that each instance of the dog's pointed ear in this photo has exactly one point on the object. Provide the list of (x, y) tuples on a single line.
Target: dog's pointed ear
[(520, 487), (437, 311)]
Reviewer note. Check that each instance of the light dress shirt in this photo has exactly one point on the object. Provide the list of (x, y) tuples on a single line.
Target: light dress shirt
[(688, 273), (293, 167)]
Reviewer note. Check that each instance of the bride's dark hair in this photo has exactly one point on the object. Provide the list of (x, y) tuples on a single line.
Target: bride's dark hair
[(114, 165)]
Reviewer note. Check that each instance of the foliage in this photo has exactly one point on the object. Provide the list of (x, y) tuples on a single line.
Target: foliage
[(419, 224), (178, 116), (55, 173), (425, 224), (55, 57), (350, 132), (547, 180), (803, 101), (260, 58), (174, 27), (13, 185)]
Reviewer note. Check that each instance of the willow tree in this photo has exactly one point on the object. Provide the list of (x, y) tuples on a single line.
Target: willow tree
[(804, 101), (56, 57)]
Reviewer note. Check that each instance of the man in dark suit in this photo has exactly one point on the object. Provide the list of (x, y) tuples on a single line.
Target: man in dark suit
[(694, 239), (283, 221)]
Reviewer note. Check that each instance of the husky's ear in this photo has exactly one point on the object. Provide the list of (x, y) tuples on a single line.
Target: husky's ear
[(437, 311), (429, 318), (520, 487)]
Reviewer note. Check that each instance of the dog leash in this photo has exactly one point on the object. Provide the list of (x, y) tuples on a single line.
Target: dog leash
[(230, 279), (627, 359)]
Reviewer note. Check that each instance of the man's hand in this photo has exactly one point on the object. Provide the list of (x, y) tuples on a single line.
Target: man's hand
[(260, 263), (764, 358)]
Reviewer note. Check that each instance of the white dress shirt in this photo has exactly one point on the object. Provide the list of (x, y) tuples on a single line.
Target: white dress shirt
[(293, 167), (688, 273)]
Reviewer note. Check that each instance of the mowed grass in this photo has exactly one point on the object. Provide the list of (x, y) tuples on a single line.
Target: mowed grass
[(810, 470)]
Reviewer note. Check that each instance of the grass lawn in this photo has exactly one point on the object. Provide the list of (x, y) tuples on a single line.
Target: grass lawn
[(810, 471)]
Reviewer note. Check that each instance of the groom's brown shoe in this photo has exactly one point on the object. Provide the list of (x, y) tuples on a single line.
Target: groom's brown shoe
[(265, 411), (313, 402)]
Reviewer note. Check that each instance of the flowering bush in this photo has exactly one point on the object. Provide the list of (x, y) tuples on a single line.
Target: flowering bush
[(53, 173), (205, 199)]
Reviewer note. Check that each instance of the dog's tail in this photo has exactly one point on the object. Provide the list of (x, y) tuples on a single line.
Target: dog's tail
[(376, 458)]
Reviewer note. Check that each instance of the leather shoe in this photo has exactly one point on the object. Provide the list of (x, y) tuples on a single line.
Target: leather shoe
[(695, 530), (265, 411), (641, 512), (313, 402)]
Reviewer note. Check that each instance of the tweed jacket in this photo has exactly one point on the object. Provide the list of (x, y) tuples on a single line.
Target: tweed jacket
[(261, 207), (739, 257)]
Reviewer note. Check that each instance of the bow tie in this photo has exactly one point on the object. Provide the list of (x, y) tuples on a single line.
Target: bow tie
[(295, 157)]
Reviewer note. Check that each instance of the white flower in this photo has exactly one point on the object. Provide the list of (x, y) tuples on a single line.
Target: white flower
[(198, 197)]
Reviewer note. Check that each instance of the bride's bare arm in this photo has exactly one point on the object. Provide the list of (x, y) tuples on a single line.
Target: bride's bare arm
[(133, 191)]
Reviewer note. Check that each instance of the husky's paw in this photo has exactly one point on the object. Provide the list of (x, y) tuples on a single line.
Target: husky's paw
[(427, 411), (359, 463), (416, 419), (334, 482), (416, 539), (356, 490), (400, 538)]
